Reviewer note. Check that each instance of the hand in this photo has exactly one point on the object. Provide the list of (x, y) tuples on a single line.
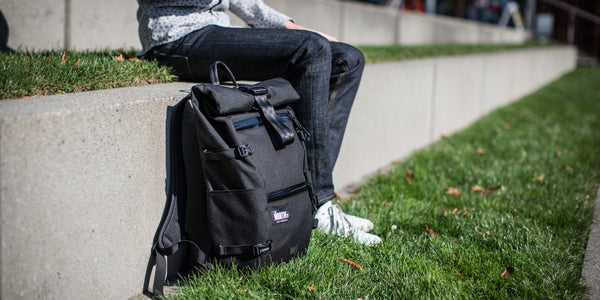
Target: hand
[(292, 25)]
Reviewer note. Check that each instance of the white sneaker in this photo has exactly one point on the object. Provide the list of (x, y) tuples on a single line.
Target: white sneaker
[(333, 220)]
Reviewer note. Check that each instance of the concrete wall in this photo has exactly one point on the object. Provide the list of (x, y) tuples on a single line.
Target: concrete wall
[(82, 176), (88, 24), (404, 106)]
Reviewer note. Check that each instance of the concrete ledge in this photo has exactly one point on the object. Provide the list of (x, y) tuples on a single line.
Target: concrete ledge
[(82, 176), (403, 106)]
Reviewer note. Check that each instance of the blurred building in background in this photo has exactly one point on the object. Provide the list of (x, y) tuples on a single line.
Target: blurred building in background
[(570, 21)]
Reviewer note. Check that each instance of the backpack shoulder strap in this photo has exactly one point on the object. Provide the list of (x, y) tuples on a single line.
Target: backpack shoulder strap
[(168, 237)]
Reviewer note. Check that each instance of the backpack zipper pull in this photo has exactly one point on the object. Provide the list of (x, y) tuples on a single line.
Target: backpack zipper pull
[(302, 132)]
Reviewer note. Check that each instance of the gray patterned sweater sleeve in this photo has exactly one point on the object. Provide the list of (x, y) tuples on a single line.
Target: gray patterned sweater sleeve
[(164, 21), (257, 14)]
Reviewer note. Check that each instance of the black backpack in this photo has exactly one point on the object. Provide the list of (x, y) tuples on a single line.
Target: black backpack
[(239, 189)]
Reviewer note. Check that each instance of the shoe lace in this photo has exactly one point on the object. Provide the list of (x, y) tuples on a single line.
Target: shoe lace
[(338, 220)]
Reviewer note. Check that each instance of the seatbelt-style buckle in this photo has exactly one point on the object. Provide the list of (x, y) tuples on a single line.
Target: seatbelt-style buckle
[(262, 248), (254, 90)]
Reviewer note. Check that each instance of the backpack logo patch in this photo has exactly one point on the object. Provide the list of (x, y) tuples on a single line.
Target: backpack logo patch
[(280, 216)]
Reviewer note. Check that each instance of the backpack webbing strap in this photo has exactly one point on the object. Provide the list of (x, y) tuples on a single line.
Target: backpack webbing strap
[(237, 152), (280, 134), (255, 250)]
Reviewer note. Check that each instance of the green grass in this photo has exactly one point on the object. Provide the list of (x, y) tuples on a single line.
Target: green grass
[(377, 54), (543, 153), (34, 74)]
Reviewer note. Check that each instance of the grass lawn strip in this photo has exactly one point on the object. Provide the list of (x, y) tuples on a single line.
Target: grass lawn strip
[(48, 73), (499, 210), (38, 74)]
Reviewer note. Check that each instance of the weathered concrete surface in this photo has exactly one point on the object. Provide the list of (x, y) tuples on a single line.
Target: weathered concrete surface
[(81, 191), (82, 176), (403, 106)]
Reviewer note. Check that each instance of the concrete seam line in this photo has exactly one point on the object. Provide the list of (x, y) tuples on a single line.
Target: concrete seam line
[(433, 103), (67, 33)]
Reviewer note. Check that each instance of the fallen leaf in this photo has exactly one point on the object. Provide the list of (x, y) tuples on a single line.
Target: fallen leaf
[(539, 178), (507, 272), (310, 288), (119, 58), (507, 126), (465, 179), (558, 153), (490, 190), (457, 158), (454, 211), (476, 188), (430, 231), (466, 212), (445, 212), (569, 169), (351, 263), (452, 191), (477, 230), (458, 256), (480, 151), (410, 177), (488, 233), (457, 272), (62, 59), (78, 62), (512, 207)]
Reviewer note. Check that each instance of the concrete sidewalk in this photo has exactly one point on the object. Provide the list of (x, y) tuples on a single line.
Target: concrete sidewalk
[(591, 264)]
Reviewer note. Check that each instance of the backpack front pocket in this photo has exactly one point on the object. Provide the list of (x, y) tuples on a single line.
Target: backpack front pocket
[(239, 224)]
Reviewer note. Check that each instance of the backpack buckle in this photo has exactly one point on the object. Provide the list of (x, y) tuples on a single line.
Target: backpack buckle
[(262, 248), (243, 151), (254, 90)]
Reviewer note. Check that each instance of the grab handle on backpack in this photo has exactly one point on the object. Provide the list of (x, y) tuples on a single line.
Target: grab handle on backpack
[(214, 73)]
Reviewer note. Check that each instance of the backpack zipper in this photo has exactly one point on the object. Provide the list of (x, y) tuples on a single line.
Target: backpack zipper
[(256, 122), (287, 192)]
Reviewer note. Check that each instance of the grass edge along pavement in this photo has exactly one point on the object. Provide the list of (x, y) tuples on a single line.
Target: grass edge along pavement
[(499, 210), (30, 74)]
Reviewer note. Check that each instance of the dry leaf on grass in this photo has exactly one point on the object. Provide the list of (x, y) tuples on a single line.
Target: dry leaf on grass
[(430, 231), (452, 191), (78, 62), (507, 272), (490, 190), (351, 263), (62, 59), (569, 169), (477, 188), (410, 176), (457, 272), (480, 151), (539, 178)]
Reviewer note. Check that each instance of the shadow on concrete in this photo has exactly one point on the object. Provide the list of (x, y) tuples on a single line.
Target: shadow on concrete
[(4, 34)]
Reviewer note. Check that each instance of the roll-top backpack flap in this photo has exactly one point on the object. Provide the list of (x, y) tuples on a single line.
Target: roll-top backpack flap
[(223, 100)]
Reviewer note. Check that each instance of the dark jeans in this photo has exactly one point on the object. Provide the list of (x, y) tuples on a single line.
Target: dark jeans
[(325, 74)]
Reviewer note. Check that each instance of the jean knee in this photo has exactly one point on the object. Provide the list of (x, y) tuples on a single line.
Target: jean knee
[(354, 58), (317, 46)]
